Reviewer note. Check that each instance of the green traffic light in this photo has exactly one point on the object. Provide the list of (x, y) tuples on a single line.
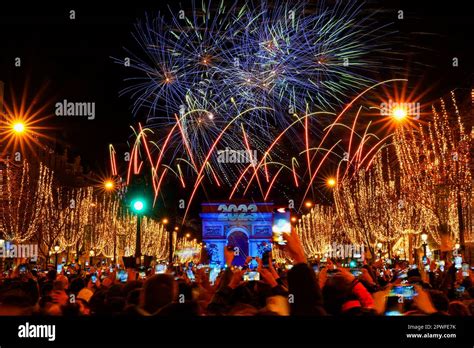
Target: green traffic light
[(138, 206)]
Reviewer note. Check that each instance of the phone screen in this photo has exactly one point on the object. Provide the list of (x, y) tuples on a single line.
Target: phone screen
[(59, 268), (160, 268), (122, 276), (253, 264), (213, 273), (407, 292), (190, 275), (281, 225), (251, 276), (94, 278), (458, 262), (266, 258)]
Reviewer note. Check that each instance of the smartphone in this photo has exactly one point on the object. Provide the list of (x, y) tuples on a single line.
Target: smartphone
[(402, 275), (458, 262), (22, 269), (142, 274), (356, 272), (266, 259), (59, 268), (405, 291), (94, 278), (160, 268), (281, 225), (253, 264), (393, 307), (190, 275), (87, 263), (122, 276), (251, 276), (213, 273)]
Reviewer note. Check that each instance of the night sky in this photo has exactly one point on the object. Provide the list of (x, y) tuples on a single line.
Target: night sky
[(73, 59)]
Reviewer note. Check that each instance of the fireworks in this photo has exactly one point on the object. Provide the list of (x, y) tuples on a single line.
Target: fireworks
[(271, 62)]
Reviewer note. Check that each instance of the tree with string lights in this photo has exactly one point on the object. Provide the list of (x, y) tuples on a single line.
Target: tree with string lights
[(373, 208), (434, 159), (25, 194)]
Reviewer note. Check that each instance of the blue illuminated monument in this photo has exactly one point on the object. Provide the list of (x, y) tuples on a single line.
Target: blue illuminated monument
[(245, 226)]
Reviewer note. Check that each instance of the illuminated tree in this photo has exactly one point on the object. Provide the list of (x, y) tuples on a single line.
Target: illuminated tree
[(434, 160), (26, 190), (318, 229), (372, 206)]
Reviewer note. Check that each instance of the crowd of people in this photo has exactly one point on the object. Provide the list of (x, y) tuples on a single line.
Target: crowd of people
[(303, 289)]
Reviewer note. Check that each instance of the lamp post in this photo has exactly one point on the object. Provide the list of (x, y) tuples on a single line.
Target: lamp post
[(138, 206), (91, 256), (56, 252), (331, 182), (424, 238), (456, 248), (379, 248)]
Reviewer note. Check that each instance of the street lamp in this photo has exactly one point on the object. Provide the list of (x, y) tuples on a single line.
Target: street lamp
[(424, 238), (188, 235), (308, 204), (109, 185), (91, 256), (138, 206), (331, 182), (56, 252), (456, 248), (379, 248), (399, 113), (18, 127)]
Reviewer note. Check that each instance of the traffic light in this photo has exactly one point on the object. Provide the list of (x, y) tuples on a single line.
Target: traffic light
[(138, 205)]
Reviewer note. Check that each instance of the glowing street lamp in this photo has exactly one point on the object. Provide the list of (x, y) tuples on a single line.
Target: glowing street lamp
[(56, 252), (91, 256), (109, 185), (331, 182), (188, 235), (308, 204), (165, 221), (399, 113), (424, 239), (457, 246), (18, 127), (379, 248)]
